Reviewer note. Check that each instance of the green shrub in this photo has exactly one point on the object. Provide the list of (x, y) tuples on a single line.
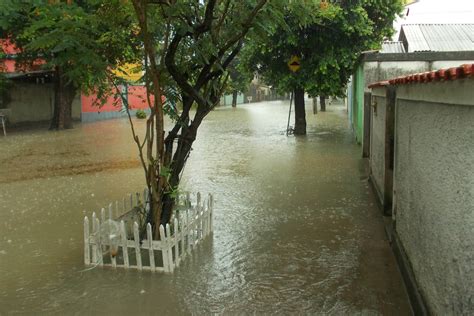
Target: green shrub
[(140, 114)]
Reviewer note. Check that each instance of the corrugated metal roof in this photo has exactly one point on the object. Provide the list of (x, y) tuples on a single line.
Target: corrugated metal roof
[(438, 37), (392, 47)]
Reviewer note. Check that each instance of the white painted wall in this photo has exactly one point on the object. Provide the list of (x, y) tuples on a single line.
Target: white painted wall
[(31, 102), (378, 71), (449, 63), (377, 142), (434, 190)]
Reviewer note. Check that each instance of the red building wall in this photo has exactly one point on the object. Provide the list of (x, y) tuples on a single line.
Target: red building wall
[(9, 65), (136, 100)]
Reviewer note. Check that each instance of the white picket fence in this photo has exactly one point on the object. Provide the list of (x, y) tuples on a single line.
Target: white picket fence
[(117, 244)]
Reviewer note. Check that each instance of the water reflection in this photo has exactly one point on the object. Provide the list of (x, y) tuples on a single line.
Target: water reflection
[(296, 229)]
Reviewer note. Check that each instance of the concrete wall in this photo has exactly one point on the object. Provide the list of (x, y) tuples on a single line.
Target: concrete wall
[(377, 67), (32, 102), (227, 99), (350, 97), (377, 142), (375, 71), (434, 190), (88, 117), (94, 110), (76, 108), (448, 63)]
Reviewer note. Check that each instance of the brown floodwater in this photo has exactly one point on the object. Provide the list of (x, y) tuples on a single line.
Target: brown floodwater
[(296, 227)]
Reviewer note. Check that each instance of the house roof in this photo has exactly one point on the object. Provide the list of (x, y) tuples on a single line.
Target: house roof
[(437, 37), (454, 73), (29, 74), (392, 47)]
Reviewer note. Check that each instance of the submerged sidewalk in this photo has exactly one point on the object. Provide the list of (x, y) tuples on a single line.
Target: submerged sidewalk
[(296, 227)]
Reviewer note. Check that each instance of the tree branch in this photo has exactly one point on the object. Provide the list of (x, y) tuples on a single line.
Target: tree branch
[(205, 26), (177, 76), (221, 20)]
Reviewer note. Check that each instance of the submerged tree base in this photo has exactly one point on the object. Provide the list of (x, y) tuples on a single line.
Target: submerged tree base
[(300, 113), (114, 240)]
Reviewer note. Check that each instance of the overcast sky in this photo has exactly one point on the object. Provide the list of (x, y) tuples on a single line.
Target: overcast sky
[(438, 11)]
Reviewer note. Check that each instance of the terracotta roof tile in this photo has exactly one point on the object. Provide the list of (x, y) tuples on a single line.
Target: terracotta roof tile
[(454, 73)]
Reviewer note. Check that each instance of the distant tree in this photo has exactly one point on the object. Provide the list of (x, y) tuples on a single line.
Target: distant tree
[(80, 41), (327, 39), (239, 80)]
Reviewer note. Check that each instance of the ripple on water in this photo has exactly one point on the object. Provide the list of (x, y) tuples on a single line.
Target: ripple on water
[(289, 218)]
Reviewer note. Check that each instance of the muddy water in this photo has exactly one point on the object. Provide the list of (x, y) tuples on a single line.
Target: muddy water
[(296, 228)]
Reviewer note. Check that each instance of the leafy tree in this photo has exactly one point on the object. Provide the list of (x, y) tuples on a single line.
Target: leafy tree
[(239, 79), (328, 41), (189, 46), (80, 41)]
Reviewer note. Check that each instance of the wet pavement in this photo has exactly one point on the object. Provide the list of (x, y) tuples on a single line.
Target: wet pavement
[(296, 228)]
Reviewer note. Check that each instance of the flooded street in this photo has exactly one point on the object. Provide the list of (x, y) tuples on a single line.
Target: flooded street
[(296, 227)]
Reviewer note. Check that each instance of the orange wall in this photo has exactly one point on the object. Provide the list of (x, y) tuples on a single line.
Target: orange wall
[(8, 47), (137, 97), (136, 100), (9, 65)]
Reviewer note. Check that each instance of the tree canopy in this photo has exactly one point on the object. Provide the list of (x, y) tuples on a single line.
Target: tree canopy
[(189, 47), (80, 41), (327, 40)]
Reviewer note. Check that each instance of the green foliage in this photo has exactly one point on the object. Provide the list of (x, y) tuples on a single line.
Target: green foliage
[(189, 46), (239, 77), (140, 114), (85, 39), (328, 41), (205, 49)]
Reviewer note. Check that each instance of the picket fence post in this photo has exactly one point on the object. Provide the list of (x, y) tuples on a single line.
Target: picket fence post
[(87, 258), (94, 234), (169, 241), (136, 239), (184, 232), (182, 224), (111, 216), (123, 235), (150, 245), (176, 242), (99, 243), (102, 215), (164, 249)]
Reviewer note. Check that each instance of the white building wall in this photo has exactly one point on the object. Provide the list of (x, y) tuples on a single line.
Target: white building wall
[(31, 102), (434, 190), (377, 142)]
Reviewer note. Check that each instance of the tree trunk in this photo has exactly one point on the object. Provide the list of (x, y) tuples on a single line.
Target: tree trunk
[(300, 114), (184, 147), (64, 93), (234, 98), (322, 101), (315, 105)]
